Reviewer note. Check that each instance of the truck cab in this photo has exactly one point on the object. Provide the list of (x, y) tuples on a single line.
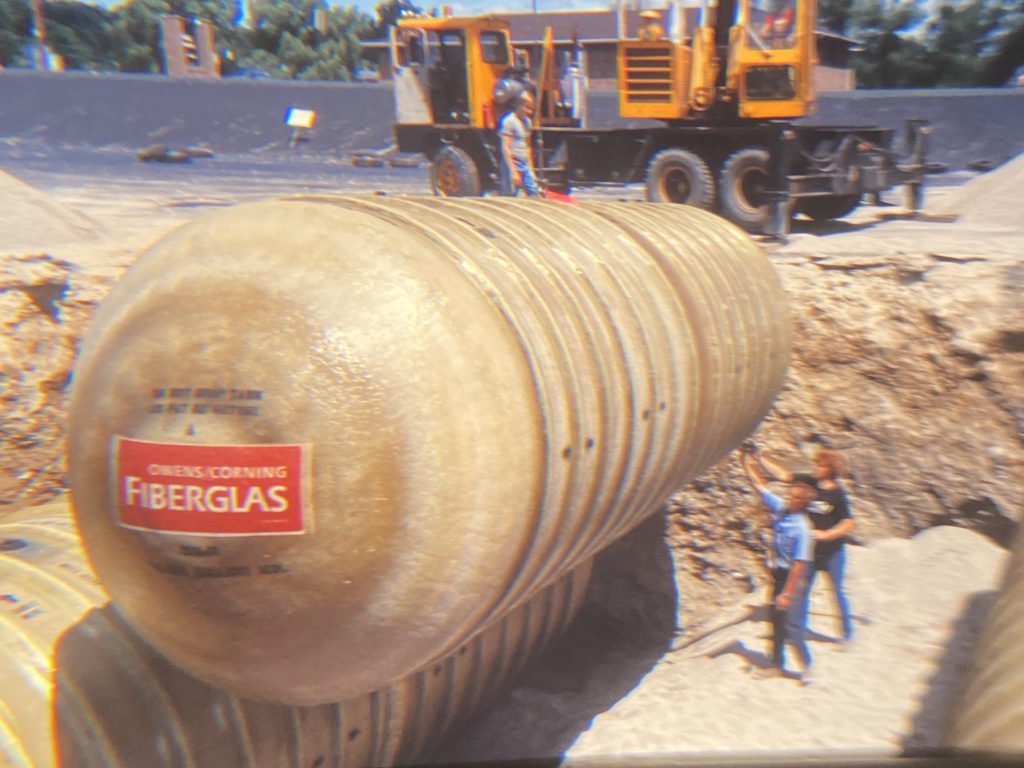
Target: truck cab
[(454, 78), (445, 69)]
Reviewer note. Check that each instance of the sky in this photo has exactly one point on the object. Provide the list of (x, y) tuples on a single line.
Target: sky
[(465, 7)]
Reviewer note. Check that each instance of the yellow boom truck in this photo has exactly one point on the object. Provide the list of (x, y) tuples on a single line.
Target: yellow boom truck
[(728, 82)]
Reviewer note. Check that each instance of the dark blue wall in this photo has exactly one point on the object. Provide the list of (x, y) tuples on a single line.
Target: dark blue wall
[(244, 116)]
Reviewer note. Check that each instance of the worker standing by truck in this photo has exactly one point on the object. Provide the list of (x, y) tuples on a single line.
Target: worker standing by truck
[(516, 168)]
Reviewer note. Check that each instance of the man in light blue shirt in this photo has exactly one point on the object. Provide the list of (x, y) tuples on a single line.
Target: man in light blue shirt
[(793, 552), (515, 170)]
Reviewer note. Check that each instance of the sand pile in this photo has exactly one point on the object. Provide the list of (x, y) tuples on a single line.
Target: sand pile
[(32, 219), (993, 199), (45, 303)]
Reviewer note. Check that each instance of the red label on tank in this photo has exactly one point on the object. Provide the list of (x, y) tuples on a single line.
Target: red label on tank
[(213, 490)]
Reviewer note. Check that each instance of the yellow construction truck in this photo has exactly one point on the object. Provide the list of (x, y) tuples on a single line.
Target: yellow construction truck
[(727, 81)]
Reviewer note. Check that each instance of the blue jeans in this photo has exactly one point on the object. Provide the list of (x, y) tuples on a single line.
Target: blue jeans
[(527, 181), (836, 567), (787, 626)]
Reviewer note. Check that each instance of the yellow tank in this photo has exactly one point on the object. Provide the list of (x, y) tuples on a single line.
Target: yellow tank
[(318, 444), (79, 688)]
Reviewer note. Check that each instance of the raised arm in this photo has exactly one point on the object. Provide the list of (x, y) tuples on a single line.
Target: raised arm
[(775, 470), (752, 468)]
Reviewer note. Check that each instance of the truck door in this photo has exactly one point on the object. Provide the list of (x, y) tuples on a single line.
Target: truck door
[(407, 47), (446, 70), (771, 58)]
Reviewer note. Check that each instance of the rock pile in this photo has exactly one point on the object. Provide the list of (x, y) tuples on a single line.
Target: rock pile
[(909, 360), (44, 304)]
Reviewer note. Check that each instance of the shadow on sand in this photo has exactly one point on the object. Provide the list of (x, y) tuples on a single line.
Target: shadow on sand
[(934, 716)]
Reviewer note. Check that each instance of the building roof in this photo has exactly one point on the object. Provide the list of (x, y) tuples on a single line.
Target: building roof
[(587, 26)]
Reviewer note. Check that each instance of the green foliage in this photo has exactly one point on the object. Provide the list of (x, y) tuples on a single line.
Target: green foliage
[(834, 15), (387, 14), (82, 34), (304, 39), (961, 43), (14, 29), (962, 36), (1007, 48), (891, 58)]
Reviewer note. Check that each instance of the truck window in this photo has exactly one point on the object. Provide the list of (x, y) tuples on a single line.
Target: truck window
[(447, 49), (771, 24), (494, 47)]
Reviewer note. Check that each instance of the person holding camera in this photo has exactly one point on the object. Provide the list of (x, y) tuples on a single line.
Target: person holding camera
[(792, 553)]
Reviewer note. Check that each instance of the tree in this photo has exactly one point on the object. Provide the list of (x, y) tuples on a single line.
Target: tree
[(387, 14), (14, 30), (969, 43), (306, 39), (892, 58), (834, 15), (960, 38), (82, 34), (1007, 48)]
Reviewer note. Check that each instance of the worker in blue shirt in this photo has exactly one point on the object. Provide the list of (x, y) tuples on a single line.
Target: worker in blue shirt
[(793, 552)]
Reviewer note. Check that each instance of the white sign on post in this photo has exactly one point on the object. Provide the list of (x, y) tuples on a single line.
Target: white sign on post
[(300, 118)]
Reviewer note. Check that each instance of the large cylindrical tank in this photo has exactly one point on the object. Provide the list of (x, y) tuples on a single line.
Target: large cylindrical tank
[(317, 444), (80, 689), (990, 713)]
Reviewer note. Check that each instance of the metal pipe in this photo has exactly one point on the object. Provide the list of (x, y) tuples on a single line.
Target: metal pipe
[(317, 444)]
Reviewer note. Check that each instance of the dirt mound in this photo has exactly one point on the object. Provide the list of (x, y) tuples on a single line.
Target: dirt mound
[(31, 219), (44, 306), (992, 199)]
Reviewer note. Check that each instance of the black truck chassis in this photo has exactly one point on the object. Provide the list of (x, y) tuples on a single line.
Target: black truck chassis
[(803, 161)]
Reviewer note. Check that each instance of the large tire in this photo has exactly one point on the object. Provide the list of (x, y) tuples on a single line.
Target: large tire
[(454, 174), (828, 208), (678, 176), (741, 189)]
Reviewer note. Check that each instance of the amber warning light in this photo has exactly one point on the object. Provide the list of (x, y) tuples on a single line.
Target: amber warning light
[(212, 490)]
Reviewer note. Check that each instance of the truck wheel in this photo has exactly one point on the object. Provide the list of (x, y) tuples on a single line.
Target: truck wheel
[(678, 176), (453, 173), (741, 189), (831, 207)]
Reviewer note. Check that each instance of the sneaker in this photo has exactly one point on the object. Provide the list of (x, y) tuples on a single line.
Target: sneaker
[(806, 676)]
